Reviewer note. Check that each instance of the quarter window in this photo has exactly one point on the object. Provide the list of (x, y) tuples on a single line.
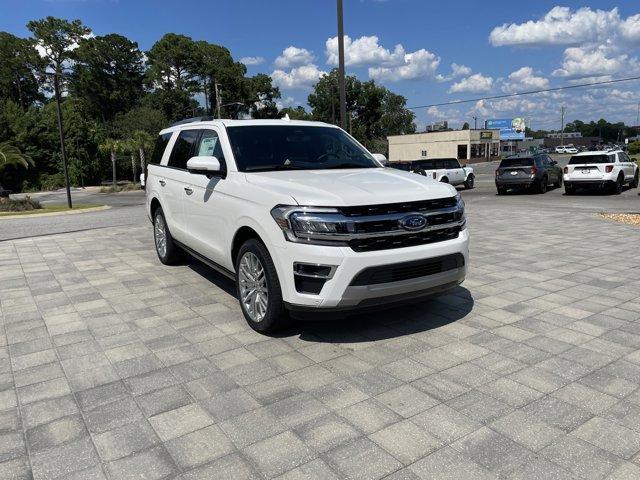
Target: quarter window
[(182, 149), (159, 148)]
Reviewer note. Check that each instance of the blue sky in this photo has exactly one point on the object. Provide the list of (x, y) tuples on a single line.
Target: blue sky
[(428, 51)]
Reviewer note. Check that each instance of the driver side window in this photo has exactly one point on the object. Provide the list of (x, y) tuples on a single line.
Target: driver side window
[(210, 146)]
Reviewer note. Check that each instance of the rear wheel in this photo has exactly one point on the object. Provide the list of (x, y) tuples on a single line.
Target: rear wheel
[(502, 190), (444, 180), (258, 288), (618, 184), (542, 186), (569, 189), (168, 252), (558, 184), (468, 184), (636, 180)]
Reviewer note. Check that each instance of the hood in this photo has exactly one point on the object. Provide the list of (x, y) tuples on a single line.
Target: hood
[(350, 187)]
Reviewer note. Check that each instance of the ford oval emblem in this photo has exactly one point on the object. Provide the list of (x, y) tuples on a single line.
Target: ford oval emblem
[(413, 222)]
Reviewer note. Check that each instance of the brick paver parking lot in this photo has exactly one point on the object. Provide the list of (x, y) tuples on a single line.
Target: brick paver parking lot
[(115, 366)]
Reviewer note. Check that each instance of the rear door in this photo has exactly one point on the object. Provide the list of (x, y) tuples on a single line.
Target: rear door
[(455, 171), (627, 165), (176, 179)]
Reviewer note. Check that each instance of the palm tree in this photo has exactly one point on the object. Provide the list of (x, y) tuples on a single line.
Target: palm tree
[(144, 142), (11, 155), (113, 147)]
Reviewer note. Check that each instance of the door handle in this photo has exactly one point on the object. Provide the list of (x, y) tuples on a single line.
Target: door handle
[(162, 183), (189, 190)]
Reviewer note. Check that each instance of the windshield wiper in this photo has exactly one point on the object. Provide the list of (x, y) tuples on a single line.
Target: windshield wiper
[(350, 165)]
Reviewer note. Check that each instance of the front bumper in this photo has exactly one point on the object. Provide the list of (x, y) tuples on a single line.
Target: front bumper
[(338, 293)]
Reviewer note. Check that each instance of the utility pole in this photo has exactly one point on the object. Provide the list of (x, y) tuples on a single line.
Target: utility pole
[(638, 117), (215, 86), (343, 97), (56, 89), (562, 123)]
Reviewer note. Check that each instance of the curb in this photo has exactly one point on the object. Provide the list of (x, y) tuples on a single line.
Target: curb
[(55, 214)]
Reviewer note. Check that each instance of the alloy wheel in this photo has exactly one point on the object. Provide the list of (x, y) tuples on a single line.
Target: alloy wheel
[(160, 236), (254, 293)]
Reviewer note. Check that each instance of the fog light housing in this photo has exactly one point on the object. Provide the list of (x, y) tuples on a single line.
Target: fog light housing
[(311, 277)]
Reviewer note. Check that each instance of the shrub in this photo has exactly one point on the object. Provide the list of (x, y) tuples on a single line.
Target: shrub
[(127, 187), (51, 181), (27, 203)]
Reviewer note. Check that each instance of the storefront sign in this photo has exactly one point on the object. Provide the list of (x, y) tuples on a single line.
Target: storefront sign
[(510, 128)]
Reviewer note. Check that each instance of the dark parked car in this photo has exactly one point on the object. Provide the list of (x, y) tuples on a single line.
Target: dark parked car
[(527, 171)]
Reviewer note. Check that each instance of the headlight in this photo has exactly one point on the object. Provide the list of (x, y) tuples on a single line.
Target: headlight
[(324, 226), (460, 207)]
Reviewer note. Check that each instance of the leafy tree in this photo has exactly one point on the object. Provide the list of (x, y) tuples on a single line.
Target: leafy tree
[(297, 113), (373, 111), (57, 38), (11, 156), (144, 118), (108, 75), (18, 63), (172, 104), (143, 142), (173, 63), (465, 126), (263, 95)]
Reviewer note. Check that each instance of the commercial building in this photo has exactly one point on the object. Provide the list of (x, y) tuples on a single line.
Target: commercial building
[(465, 145)]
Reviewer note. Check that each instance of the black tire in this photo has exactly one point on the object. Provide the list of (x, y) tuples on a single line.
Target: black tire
[(502, 190), (618, 185), (542, 186), (469, 183), (171, 253), (558, 184), (420, 171), (275, 317), (569, 189), (636, 180), (444, 180)]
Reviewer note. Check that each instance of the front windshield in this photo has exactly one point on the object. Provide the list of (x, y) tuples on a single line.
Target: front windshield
[(287, 147)]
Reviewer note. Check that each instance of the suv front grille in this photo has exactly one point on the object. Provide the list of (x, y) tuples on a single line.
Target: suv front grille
[(406, 240)]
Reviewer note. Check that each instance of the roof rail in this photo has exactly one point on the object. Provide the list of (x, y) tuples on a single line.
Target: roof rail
[(191, 120)]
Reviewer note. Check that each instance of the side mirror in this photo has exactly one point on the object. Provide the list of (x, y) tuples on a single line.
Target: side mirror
[(203, 164), (381, 159)]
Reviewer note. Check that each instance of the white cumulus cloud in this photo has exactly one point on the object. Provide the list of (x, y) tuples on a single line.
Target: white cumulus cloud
[(476, 83), (419, 64), (560, 26), (252, 60), (524, 79), (363, 51), (293, 56), (581, 62), (301, 77)]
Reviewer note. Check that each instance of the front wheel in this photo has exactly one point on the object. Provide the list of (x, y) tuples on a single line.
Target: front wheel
[(258, 288), (468, 184)]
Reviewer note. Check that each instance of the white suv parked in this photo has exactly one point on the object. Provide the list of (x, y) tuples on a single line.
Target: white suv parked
[(302, 217), (601, 169), (447, 170), (566, 149)]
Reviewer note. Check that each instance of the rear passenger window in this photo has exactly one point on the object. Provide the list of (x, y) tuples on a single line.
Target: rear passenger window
[(159, 148), (182, 149), (452, 164)]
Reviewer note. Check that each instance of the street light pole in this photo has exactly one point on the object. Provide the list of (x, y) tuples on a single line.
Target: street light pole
[(475, 123), (56, 89), (343, 97)]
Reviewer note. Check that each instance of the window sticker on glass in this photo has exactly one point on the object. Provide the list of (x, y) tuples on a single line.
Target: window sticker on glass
[(207, 146)]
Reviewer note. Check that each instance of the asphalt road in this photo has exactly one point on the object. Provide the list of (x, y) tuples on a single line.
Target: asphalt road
[(128, 207)]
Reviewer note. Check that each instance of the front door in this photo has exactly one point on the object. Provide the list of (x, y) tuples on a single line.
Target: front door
[(205, 206)]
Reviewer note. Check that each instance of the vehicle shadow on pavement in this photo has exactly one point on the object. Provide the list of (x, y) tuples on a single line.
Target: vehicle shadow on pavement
[(380, 324), (387, 323)]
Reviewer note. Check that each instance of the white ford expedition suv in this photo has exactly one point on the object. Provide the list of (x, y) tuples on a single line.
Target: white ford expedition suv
[(302, 217)]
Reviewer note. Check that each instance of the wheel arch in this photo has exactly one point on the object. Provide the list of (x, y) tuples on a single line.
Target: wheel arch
[(243, 234), (153, 206)]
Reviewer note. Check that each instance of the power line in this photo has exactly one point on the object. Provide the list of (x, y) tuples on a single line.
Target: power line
[(530, 92)]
